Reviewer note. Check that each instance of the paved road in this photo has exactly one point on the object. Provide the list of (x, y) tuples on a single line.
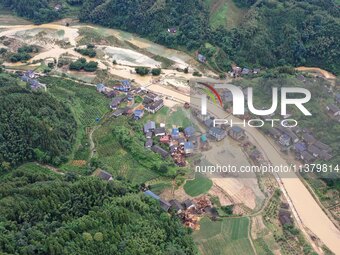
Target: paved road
[(306, 210)]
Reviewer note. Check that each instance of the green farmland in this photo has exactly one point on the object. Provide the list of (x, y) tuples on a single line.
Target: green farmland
[(228, 236), (198, 186), (115, 158)]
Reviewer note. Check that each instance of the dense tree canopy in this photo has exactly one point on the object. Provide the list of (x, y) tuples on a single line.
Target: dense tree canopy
[(304, 32), (33, 125), (273, 32), (43, 213), (38, 10)]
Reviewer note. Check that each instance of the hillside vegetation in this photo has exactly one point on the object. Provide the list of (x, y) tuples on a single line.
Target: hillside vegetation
[(44, 213), (33, 126), (272, 33)]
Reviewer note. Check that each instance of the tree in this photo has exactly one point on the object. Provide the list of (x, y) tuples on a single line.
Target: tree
[(142, 70), (6, 166), (91, 66), (76, 65), (228, 209), (87, 237), (38, 125), (83, 217), (156, 71), (98, 237)]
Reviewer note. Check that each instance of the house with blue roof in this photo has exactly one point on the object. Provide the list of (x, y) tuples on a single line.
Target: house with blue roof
[(300, 147), (149, 126), (218, 133), (25, 78), (285, 140), (149, 193), (189, 131), (100, 87), (165, 205), (201, 58), (245, 71), (237, 133), (175, 133), (138, 114), (125, 86), (30, 74), (188, 147), (209, 122)]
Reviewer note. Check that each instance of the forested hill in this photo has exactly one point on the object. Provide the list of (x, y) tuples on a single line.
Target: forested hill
[(274, 33), (271, 33), (33, 126), (43, 213)]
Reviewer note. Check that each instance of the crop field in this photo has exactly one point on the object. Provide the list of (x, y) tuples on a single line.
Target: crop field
[(85, 103), (117, 160), (228, 236), (198, 186)]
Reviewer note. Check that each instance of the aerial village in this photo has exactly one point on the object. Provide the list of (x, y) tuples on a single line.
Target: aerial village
[(180, 143)]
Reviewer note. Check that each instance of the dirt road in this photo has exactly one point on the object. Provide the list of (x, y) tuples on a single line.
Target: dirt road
[(324, 73)]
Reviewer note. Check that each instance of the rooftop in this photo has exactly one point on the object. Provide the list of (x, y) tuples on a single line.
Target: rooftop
[(237, 129), (216, 131), (189, 131), (104, 175), (150, 125), (333, 108), (159, 150), (149, 193)]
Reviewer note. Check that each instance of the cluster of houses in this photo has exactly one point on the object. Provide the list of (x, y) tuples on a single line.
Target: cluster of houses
[(125, 92), (219, 132), (173, 205), (177, 144), (188, 210), (30, 77), (239, 71), (152, 102), (306, 146)]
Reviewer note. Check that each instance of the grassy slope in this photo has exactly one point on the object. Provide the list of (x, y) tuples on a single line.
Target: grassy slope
[(229, 236), (30, 169), (224, 13)]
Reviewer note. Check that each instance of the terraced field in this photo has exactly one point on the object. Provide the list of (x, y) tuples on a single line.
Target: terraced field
[(228, 236)]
